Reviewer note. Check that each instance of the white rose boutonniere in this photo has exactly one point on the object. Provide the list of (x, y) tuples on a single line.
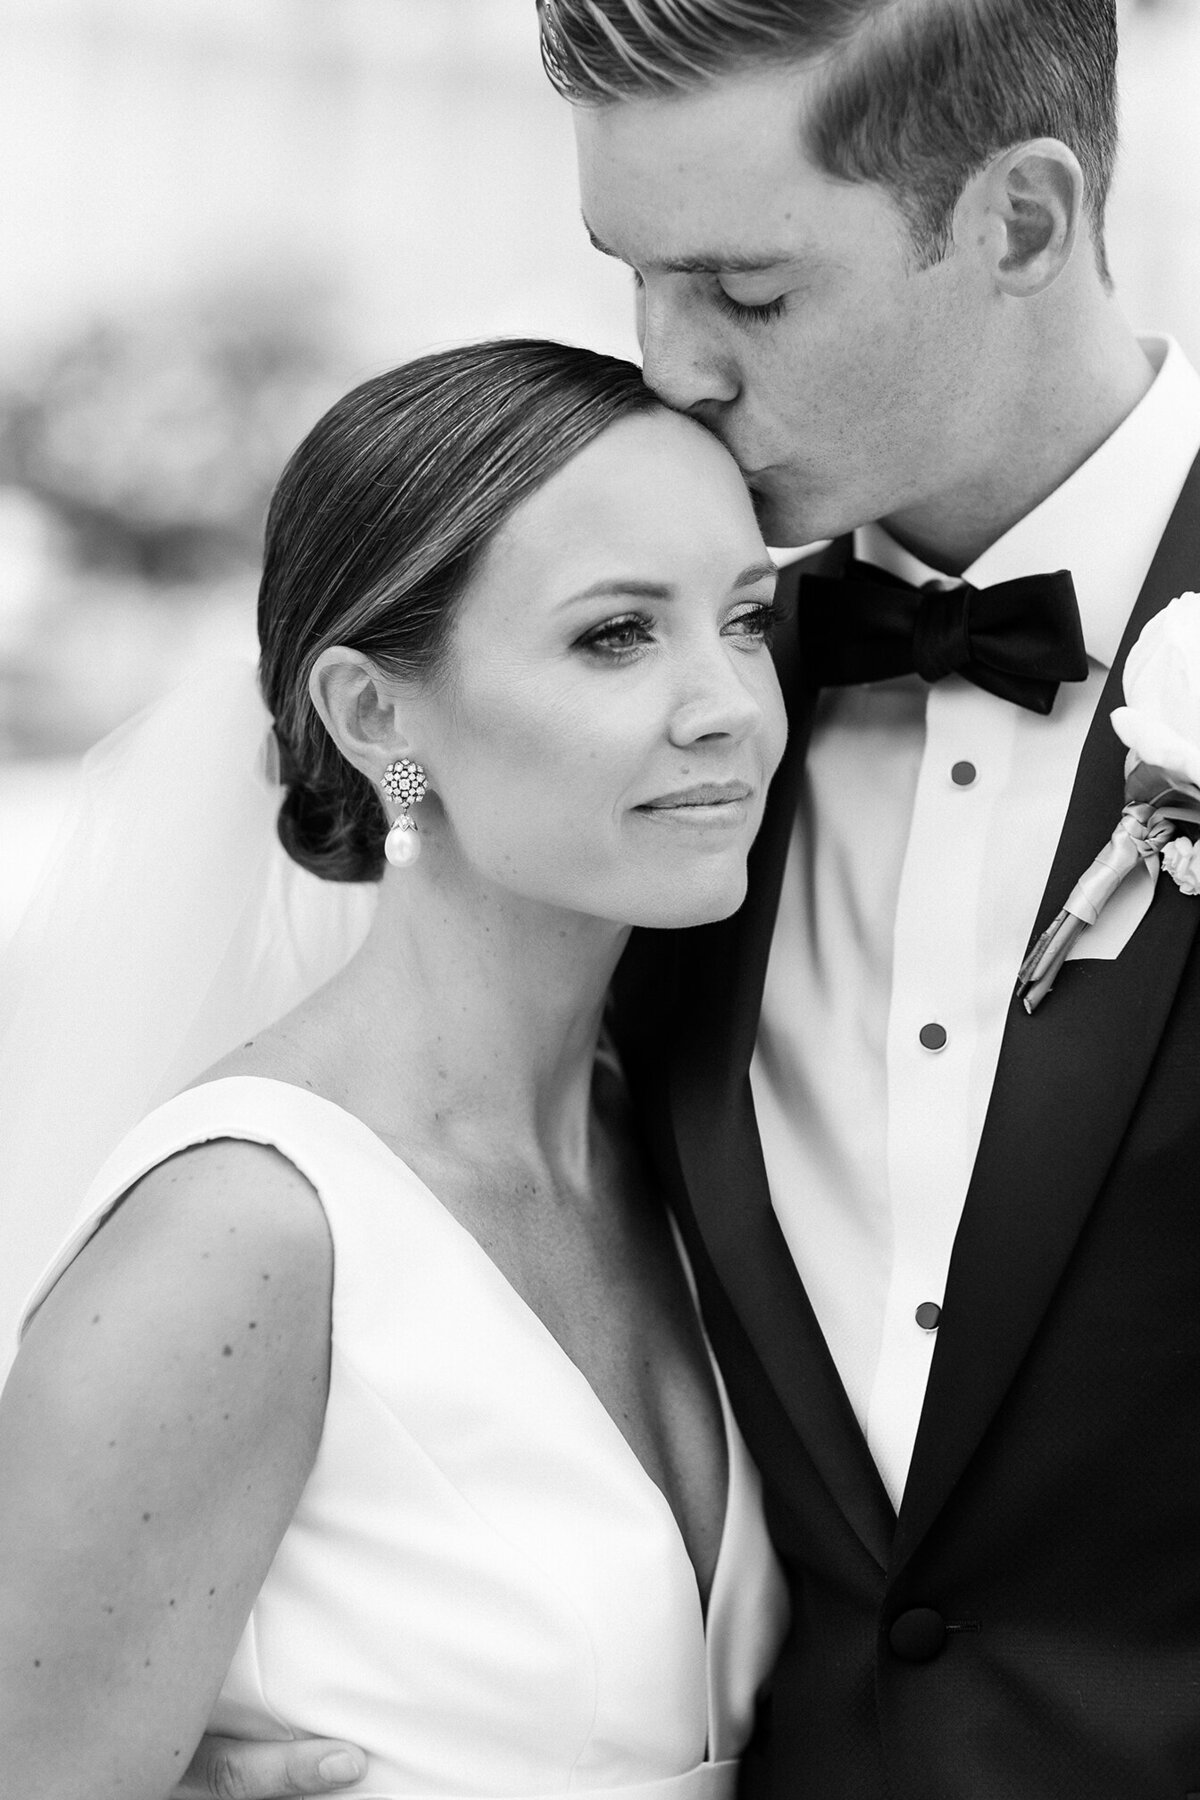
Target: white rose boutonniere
[(1160, 724), (1181, 860)]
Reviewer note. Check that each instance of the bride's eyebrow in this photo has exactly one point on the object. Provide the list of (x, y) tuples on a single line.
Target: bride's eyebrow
[(623, 588)]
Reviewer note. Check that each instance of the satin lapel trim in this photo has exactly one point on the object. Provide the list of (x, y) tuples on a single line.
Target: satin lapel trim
[(723, 968), (731, 1206), (1066, 1086)]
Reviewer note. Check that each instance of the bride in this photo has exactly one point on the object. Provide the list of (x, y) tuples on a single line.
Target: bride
[(370, 1401)]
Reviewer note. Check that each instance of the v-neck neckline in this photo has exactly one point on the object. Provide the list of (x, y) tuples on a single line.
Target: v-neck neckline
[(521, 1310)]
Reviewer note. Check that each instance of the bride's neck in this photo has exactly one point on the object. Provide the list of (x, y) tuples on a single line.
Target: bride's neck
[(472, 1008)]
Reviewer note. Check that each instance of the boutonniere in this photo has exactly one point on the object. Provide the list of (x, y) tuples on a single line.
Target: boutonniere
[(1160, 725)]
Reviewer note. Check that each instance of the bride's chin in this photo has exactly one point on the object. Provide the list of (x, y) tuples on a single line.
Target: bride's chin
[(704, 902)]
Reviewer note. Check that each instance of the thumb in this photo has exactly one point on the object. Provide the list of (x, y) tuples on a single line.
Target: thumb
[(226, 1768)]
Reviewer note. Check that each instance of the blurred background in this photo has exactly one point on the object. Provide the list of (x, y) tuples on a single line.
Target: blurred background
[(218, 216)]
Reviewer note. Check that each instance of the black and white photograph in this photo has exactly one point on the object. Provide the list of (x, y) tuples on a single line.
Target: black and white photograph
[(599, 888)]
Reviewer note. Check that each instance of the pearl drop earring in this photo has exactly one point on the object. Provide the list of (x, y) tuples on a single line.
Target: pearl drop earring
[(403, 781)]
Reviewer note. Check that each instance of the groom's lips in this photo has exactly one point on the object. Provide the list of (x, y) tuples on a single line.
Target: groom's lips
[(757, 480)]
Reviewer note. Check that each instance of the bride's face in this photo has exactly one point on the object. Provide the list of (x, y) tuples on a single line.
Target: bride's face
[(611, 718)]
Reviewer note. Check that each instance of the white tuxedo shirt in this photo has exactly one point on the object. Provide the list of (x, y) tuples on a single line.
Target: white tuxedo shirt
[(927, 823)]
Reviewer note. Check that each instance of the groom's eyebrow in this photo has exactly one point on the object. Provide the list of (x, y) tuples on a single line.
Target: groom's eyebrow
[(708, 262), (628, 589)]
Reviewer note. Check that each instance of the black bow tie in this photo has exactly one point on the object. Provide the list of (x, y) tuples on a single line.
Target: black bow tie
[(1018, 639)]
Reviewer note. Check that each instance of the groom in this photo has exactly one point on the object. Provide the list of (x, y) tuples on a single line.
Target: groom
[(949, 1250)]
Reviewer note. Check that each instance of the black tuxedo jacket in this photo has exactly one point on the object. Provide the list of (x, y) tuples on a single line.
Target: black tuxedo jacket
[(1029, 1628)]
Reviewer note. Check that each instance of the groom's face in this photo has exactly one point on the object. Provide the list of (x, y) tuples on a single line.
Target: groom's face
[(786, 310)]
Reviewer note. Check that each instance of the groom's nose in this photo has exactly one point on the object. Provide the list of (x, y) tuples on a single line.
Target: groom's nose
[(681, 360)]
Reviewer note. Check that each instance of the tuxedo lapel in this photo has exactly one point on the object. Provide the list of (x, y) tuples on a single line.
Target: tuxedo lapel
[(722, 971), (1066, 1086)]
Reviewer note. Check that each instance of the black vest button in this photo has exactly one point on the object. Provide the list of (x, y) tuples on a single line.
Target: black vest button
[(917, 1635)]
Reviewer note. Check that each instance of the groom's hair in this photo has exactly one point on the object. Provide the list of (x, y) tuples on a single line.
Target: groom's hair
[(918, 94)]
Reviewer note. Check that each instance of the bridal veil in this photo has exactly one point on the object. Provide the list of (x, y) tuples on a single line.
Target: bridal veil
[(169, 926)]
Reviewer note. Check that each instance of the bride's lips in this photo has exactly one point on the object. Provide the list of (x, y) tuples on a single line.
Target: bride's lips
[(706, 802)]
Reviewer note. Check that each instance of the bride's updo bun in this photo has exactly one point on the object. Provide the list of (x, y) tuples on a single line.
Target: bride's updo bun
[(374, 529)]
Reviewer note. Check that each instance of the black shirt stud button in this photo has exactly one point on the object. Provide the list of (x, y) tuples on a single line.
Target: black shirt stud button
[(963, 774), (928, 1315), (917, 1635), (933, 1036)]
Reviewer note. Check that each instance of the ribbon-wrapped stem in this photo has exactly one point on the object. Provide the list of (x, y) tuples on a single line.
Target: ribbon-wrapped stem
[(1156, 804), (1140, 834)]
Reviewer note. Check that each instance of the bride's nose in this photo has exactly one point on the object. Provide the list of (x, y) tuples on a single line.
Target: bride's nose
[(715, 697)]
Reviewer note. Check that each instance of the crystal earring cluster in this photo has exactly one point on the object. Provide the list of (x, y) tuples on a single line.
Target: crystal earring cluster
[(404, 782)]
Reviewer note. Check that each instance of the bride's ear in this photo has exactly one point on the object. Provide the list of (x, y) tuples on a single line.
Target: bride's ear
[(359, 708)]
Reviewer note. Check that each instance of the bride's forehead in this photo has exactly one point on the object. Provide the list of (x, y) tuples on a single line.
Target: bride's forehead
[(631, 478), (646, 507)]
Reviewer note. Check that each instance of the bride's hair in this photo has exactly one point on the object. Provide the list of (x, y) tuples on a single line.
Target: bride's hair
[(374, 529)]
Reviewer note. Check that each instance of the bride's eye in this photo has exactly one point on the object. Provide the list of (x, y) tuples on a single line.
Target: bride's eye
[(754, 622), (617, 640)]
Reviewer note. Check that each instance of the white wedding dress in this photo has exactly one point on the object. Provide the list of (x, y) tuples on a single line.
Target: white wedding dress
[(481, 1585)]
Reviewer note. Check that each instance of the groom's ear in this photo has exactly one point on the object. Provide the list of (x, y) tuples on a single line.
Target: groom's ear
[(359, 708), (1031, 197)]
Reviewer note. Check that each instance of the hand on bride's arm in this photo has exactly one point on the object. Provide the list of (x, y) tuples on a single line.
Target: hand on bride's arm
[(234, 1769), (156, 1431)]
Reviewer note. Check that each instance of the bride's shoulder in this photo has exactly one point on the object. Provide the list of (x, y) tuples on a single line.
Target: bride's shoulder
[(231, 1186), (208, 1286), (218, 1225), (170, 1392)]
